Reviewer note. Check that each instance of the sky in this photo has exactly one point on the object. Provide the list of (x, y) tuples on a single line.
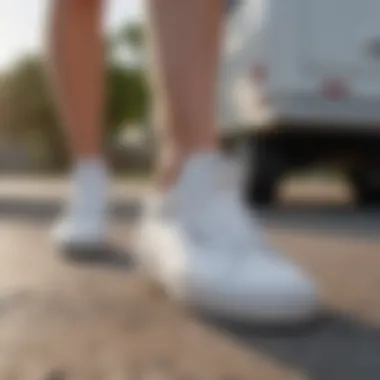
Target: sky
[(23, 22)]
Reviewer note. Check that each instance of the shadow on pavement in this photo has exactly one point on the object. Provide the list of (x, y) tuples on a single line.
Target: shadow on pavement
[(333, 348), (107, 256)]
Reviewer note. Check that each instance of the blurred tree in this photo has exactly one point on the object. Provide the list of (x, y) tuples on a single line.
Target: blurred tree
[(27, 106), (29, 110), (128, 91), (133, 35), (129, 40), (128, 97)]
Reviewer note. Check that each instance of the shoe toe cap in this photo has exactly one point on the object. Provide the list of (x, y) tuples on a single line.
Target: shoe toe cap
[(268, 290)]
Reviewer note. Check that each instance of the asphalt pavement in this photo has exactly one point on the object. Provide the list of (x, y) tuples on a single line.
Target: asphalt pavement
[(100, 308)]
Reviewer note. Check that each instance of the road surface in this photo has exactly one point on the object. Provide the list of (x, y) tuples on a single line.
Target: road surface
[(102, 319)]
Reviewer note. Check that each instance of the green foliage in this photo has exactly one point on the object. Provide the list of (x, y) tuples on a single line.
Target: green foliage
[(27, 104), (29, 108), (128, 97), (29, 94), (131, 35)]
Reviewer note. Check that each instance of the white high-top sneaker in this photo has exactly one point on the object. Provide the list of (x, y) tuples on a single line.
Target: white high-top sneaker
[(84, 223), (207, 250)]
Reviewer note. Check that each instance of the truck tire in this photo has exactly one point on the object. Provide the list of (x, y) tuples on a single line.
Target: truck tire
[(266, 167), (366, 183)]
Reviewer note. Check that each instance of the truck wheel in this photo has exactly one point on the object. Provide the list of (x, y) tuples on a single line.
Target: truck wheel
[(266, 167), (366, 183)]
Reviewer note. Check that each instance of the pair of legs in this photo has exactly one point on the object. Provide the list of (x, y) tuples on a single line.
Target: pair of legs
[(198, 240), (186, 106), (189, 54)]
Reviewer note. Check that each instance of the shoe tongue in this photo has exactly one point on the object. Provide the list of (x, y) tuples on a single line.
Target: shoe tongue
[(200, 174), (204, 177)]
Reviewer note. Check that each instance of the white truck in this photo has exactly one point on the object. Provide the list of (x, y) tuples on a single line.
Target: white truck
[(301, 80)]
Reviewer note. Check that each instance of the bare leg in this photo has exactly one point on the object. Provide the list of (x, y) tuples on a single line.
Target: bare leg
[(78, 65), (186, 50), (77, 57)]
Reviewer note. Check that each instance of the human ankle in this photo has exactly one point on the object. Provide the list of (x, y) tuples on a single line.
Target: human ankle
[(168, 174)]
